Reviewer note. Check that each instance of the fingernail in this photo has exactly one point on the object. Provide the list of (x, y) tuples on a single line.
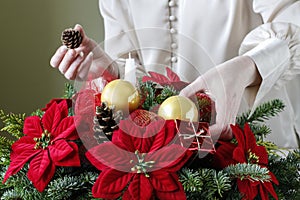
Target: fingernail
[(81, 54), (63, 49), (91, 54)]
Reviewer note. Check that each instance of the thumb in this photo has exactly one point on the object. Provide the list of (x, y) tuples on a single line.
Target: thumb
[(79, 28)]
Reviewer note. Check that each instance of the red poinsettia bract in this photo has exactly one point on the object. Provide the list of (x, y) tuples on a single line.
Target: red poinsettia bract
[(143, 163), (47, 143), (246, 151)]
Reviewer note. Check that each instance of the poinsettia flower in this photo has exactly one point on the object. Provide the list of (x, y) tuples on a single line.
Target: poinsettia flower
[(142, 163), (171, 79), (246, 151), (47, 143)]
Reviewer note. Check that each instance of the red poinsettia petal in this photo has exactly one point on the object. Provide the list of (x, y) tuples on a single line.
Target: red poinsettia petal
[(164, 136), (223, 156), (59, 150), (18, 162), (54, 115), (72, 159), (163, 181), (45, 175), (273, 178), (239, 135), (262, 153), (176, 195), (57, 100), (266, 188), (109, 155), (110, 184), (32, 126), (170, 158), (250, 138), (24, 143), (66, 130), (139, 189), (173, 77), (239, 154), (123, 140), (38, 165), (156, 77), (247, 188)]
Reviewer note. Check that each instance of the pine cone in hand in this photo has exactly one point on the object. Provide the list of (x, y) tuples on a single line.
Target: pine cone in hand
[(106, 121), (71, 38)]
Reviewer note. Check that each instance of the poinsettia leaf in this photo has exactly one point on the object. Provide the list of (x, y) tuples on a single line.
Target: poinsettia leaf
[(159, 78), (249, 137), (163, 181), (41, 182), (179, 85), (239, 155), (38, 165), (247, 188), (109, 155), (223, 156), (176, 195), (170, 158), (139, 188), (262, 154), (32, 126), (239, 135), (173, 77), (164, 136), (267, 187), (66, 129), (18, 162), (59, 150), (123, 140), (110, 184), (23, 144), (54, 115), (72, 159)]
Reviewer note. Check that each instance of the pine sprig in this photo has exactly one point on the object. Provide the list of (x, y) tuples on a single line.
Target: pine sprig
[(204, 183), (287, 171), (13, 123), (263, 112), (248, 171), (69, 91), (166, 92), (147, 90)]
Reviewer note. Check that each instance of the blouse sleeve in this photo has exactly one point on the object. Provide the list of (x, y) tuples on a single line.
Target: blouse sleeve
[(274, 46), (118, 33)]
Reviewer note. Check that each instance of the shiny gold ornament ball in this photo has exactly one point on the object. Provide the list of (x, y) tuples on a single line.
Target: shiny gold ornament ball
[(179, 107), (122, 94)]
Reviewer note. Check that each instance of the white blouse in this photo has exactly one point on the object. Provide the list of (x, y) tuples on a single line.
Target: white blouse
[(191, 36)]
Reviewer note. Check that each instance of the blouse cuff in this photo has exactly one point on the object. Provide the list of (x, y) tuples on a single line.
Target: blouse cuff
[(275, 49)]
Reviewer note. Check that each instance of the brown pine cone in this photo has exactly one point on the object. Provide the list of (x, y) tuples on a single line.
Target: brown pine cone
[(71, 38)]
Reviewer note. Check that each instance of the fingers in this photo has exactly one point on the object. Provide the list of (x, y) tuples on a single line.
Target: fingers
[(221, 132), (193, 88), (84, 68), (72, 70), (67, 61), (58, 56)]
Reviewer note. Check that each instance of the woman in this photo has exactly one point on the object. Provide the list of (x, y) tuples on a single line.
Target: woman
[(232, 48)]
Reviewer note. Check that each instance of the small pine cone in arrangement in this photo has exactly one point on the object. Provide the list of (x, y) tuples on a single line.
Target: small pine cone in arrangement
[(106, 121), (71, 38)]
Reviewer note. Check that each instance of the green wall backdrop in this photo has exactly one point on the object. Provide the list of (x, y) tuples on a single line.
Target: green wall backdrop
[(30, 34)]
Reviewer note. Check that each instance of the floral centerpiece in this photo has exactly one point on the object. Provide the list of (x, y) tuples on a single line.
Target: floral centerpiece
[(87, 146)]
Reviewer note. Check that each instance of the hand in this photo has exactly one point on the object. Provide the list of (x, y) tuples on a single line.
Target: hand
[(226, 83), (87, 59)]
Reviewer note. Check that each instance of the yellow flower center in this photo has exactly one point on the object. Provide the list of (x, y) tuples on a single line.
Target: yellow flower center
[(252, 157), (141, 166), (44, 141)]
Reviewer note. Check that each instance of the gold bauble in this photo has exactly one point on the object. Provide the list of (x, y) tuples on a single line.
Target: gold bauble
[(179, 107), (122, 94)]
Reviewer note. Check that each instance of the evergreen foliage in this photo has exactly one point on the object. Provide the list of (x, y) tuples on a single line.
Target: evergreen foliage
[(13, 123), (204, 183), (69, 91)]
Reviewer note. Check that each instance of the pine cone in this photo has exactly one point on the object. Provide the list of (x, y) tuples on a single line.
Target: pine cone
[(71, 38), (106, 121)]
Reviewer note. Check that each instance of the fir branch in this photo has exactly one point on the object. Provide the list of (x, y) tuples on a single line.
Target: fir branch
[(69, 91), (147, 92), (166, 92), (260, 130), (262, 112), (13, 123), (248, 171), (38, 113), (205, 183), (286, 169)]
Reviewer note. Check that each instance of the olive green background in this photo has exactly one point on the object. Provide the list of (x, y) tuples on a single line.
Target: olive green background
[(30, 34)]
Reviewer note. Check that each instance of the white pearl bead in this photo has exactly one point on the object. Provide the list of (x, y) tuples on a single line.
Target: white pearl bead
[(172, 18), (173, 45), (174, 59), (172, 30), (172, 3)]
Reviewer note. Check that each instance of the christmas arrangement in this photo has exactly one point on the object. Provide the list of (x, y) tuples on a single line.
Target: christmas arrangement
[(141, 141)]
